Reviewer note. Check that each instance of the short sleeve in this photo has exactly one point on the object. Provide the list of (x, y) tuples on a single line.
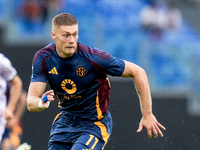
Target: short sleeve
[(7, 71), (115, 66), (38, 74)]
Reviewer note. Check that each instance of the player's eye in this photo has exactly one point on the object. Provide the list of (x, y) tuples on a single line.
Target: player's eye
[(66, 35)]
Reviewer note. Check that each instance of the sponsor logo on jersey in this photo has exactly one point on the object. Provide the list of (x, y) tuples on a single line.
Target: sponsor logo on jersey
[(81, 71), (73, 96), (69, 86), (53, 71)]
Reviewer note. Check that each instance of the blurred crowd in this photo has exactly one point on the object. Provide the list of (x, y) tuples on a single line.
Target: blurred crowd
[(37, 12), (157, 18)]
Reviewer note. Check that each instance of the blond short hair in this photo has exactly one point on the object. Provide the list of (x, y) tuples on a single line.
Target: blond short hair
[(64, 19)]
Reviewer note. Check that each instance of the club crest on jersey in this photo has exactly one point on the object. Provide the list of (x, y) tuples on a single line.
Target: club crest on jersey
[(81, 71)]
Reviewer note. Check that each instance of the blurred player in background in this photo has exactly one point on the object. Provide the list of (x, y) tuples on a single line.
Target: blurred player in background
[(78, 76), (8, 74), (13, 132)]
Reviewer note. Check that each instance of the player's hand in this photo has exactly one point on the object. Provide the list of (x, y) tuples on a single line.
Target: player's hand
[(13, 122), (7, 114), (152, 125), (50, 97)]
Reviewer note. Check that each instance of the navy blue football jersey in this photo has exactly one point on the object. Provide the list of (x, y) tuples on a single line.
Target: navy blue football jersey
[(80, 82)]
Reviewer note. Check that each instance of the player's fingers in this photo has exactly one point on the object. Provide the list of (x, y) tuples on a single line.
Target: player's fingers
[(50, 92), (47, 98), (7, 114), (159, 131), (50, 98), (46, 105), (149, 133), (155, 132), (140, 128), (161, 126)]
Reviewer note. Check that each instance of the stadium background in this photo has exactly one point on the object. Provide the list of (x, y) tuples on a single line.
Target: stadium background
[(172, 65)]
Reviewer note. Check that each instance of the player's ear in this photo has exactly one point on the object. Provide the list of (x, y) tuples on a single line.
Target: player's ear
[(53, 35)]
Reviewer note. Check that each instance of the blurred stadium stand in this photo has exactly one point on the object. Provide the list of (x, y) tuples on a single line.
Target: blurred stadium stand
[(172, 64)]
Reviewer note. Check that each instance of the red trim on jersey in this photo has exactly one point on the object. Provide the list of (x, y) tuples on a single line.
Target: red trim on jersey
[(104, 95), (46, 49), (94, 51)]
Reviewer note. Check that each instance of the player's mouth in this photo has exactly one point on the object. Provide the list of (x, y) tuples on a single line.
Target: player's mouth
[(70, 47)]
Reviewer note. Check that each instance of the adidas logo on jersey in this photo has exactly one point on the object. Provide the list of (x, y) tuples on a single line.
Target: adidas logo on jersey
[(53, 71)]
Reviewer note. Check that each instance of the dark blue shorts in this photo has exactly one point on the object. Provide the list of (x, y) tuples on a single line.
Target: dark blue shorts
[(68, 133)]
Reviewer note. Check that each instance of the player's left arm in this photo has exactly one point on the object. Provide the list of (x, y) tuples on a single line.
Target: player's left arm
[(21, 106), (19, 111), (142, 87), (15, 91)]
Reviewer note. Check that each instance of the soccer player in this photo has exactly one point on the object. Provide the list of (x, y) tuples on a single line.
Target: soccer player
[(8, 74), (78, 77)]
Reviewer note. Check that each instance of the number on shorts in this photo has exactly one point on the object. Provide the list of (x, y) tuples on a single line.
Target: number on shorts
[(90, 139)]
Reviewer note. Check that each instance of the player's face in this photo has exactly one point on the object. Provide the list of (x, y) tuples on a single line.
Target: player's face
[(65, 39)]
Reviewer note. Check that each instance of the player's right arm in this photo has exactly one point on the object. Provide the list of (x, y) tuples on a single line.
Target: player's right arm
[(36, 98), (35, 94)]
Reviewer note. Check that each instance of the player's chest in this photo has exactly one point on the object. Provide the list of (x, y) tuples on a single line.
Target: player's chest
[(79, 71)]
